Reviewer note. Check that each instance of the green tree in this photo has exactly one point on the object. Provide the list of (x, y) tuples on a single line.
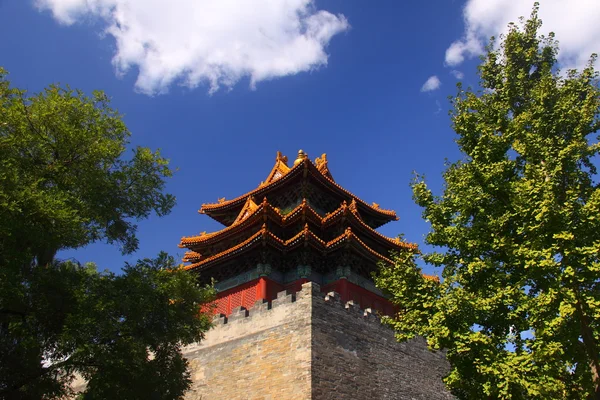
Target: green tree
[(65, 183), (518, 228)]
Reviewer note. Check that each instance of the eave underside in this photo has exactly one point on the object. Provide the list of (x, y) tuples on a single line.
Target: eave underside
[(361, 263), (305, 242)]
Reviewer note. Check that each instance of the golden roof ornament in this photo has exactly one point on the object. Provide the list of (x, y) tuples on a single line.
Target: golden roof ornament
[(282, 158), (301, 156), (321, 162)]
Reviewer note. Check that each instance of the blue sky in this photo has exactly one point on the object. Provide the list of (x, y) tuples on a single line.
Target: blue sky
[(220, 89)]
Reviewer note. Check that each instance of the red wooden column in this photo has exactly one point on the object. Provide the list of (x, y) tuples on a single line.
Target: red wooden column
[(343, 289), (262, 292), (342, 273)]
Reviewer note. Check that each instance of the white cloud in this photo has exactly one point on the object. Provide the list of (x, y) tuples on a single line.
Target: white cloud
[(575, 23), (433, 83), (205, 41), (457, 74)]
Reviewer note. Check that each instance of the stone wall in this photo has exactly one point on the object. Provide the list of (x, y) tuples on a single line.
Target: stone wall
[(311, 346), (263, 353), (354, 356)]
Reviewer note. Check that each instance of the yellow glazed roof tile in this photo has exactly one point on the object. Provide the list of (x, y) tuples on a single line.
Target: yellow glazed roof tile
[(281, 170), (304, 235), (253, 212)]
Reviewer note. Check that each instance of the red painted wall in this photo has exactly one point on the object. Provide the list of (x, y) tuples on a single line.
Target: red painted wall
[(246, 295), (361, 296)]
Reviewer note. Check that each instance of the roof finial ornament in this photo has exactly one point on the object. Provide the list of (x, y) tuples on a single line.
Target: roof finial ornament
[(282, 158), (321, 162), (301, 156), (352, 205)]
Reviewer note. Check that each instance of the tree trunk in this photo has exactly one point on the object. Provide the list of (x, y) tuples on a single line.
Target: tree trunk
[(591, 348), (46, 256)]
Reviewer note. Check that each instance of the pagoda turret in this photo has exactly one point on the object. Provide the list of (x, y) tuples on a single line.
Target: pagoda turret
[(298, 225)]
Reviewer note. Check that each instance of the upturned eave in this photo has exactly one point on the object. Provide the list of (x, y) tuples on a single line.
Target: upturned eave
[(253, 214), (220, 210), (304, 237)]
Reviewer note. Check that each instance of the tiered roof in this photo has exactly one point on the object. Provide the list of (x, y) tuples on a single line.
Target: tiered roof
[(302, 209), (225, 211)]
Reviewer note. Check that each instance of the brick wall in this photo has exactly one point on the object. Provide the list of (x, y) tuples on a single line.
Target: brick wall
[(311, 346), (355, 357), (262, 354)]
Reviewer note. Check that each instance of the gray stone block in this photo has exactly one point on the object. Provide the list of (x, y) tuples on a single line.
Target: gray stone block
[(237, 313)]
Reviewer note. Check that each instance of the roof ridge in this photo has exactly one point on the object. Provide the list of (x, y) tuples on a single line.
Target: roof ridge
[(304, 162)]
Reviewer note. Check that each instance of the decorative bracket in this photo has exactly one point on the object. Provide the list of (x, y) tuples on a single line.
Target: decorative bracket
[(304, 271), (342, 272), (263, 269)]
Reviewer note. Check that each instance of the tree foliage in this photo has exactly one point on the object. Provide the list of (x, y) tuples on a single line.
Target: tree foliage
[(65, 183), (518, 227), (64, 175)]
